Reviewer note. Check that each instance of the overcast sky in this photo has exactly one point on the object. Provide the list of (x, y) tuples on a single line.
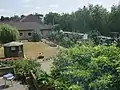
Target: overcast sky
[(18, 7)]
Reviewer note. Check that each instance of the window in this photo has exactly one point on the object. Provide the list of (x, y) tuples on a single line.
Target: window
[(21, 34), (29, 34), (13, 48)]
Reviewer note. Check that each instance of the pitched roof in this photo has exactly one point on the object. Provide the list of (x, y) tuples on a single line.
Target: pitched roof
[(12, 44), (31, 18), (26, 25)]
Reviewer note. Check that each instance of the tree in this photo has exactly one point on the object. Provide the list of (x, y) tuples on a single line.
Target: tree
[(90, 67), (94, 36), (2, 18), (15, 18), (8, 33), (66, 22), (22, 16), (114, 18), (52, 18), (88, 18)]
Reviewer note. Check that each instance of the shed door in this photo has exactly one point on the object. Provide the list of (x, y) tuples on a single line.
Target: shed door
[(20, 52)]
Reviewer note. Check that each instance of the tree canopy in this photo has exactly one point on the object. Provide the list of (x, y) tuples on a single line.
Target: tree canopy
[(88, 18), (87, 67), (8, 33)]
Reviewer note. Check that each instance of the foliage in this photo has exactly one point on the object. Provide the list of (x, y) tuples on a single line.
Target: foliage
[(88, 18), (8, 34), (63, 40), (36, 37), (43, 78), (52, 18), (89, 67), (94, 36), (22, 66)]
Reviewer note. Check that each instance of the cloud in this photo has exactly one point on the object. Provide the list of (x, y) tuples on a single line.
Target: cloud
[(54, 6), (4, 11), (37, 8), (27, 1), (28, 6)]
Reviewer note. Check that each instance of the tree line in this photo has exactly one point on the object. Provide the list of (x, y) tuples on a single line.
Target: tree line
[(12, 18), (15, 17), (86, 19)]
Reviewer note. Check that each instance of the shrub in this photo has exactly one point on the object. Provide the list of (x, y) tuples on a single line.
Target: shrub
[(43, 78), (22, 66), (8, 34), (36, 37), (90, 67)]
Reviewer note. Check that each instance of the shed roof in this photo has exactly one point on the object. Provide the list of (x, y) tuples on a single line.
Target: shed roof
[(13, 44)]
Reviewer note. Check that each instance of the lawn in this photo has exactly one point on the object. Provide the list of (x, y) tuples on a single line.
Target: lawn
[(32, 50)]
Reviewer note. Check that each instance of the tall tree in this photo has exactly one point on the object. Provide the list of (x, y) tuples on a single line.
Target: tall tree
[(114, 19), (52, 18), (8, 34)]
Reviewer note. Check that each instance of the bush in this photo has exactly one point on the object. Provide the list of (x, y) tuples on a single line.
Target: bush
[(8, 34), (63, 40), (94, 36), (43, 78), (36, 37), (22, 66), (90, 67)]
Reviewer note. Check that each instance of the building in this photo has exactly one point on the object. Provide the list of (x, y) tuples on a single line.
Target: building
[(29, 24), (32, 18), (13, 49)]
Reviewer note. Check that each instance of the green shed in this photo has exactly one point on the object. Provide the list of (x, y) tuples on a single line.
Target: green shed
[(13, 49)]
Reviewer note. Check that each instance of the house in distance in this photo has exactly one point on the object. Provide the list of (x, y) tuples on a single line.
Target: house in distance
[(29, 24)]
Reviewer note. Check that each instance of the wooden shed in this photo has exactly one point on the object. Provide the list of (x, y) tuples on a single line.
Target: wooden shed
[(13, 49)]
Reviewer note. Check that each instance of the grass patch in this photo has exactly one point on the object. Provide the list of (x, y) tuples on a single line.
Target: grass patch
[(32, 50)]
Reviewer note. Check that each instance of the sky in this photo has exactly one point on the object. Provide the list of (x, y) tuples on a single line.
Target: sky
[(19, 7)]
